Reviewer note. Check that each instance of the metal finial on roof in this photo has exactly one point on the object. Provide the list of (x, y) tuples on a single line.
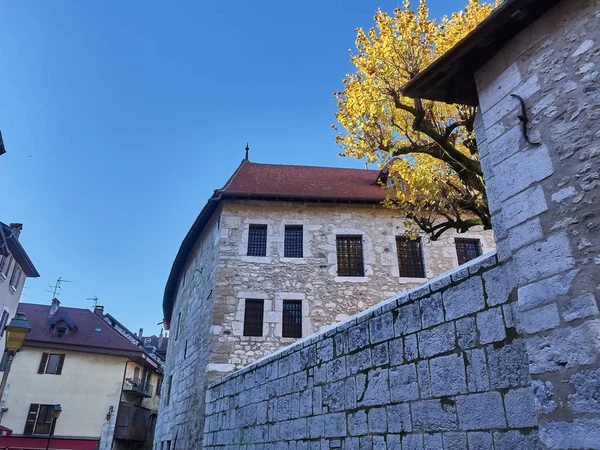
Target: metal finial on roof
[(247, 149)]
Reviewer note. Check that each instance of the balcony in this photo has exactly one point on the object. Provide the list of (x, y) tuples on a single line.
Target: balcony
[(132, 423), (138, 387)]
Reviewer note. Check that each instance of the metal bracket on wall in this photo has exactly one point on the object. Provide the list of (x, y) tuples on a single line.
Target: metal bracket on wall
[(524, 120)]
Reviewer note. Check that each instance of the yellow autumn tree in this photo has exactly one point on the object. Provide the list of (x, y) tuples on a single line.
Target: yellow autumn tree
[(427, 149)]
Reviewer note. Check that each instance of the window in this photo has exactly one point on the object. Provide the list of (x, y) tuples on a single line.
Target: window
[(292, 318), (51, 363), (3, 322), (5, 266), (169, 389), (178, 328), (136, 374), (292, 243), (60, 332), (467, 249), (39, 419), (3, 260), (158, 386), (410, 257), (16, 276), (3, 362), (350, 256), (257, 240), (253, 317), (185, 349)]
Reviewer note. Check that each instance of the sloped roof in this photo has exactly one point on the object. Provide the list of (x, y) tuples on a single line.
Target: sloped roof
[(277, 182), (83, 338), (9, 242)]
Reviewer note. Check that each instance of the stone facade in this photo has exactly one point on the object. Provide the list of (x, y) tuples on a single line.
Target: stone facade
[(544, 201), (439, 368)]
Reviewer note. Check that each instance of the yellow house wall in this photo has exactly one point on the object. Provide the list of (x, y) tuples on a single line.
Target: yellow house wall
[(88, 386), (151, 402)]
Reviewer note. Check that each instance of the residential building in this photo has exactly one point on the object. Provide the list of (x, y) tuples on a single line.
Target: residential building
[(107, 386), (277, 254), (15, 268)]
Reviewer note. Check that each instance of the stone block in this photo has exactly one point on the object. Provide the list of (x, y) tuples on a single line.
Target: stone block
[(420, 291), (432, 441), (507, 144), (525, 234), (378, 420), (366, 443), (408, 319), (524, 206), (334, 395), (565, 348), (411, 349), (317, 400), (518, 440), (466, 298), (501, 85), (447, 375), (477, 371), (466, 333), (358, 336), (580, 308), (435, 341), (379, 443), (491, 326), (480, 440), (440, 282), (543, 392), (498, 285), (432, 310), (509, 365), (324, 354), (412, 442), (544, 258), (433, 415), (459, 274), (403, 383), (424, 379), (381, 328), (393, 442), (455, 441), (396, 350), (539, 319), (481, 411), (580, 434), (508, 105), (520, 408), (350, 393), (316, 426), (335, 425), (380, 354), (398, 418), (586, 398), (545, 291), (372, 389), (357, 423), (336, 369), (359, 361)]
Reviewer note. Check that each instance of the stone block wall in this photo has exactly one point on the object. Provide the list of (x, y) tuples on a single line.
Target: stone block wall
[(545, 201), (440, 367)]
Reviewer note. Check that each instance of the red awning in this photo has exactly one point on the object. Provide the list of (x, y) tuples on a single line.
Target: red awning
[(31, 443), (5, 431)]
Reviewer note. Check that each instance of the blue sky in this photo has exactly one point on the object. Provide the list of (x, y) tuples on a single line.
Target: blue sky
[(121, 118)]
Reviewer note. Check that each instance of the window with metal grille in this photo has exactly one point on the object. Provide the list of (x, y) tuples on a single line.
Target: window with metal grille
[(257, 240), (467, 249), (292, 243), (292, 318), (410, 257), (350, 256), (253, 317)]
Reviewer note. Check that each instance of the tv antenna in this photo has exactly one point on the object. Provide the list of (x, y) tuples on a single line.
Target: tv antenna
[(57, 287), (94, 299)]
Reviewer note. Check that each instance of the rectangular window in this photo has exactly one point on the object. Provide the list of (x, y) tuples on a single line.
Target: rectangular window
[(410, 257), (39, 419), (51, 363), (5, 267), (292, 318), (257, 240), (350, 256), (169, 389), (178, 328), (467, 249), (3, 362), (253, 317), (3, 322), (16, 276), (158, 386), (292, 243)]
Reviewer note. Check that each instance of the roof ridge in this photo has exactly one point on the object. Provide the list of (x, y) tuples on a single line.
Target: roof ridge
[(310, 166)]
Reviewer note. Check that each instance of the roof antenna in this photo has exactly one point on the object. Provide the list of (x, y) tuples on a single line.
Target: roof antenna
[(366, 165), (57, 287), (247, 149), (94, 299)]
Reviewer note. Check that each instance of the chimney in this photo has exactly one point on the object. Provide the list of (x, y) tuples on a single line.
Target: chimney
[(141, 333), (54, 307), (160, 339), (99, 311), (16, 229)]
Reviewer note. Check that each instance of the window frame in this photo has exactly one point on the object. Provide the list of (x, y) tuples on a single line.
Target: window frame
[(5, 270), (412, 263), (4, 321), (464, 241), (291, 330), (31, 424), (349, 267), (251, 326), (256, 246), (45, 364), (15, 278), (293, 241)]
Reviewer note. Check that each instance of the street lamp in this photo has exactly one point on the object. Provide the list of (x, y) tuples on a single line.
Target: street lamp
[(55, 414), (16, 331)]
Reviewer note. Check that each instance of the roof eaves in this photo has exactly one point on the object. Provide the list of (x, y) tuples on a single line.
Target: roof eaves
[(17, 251)]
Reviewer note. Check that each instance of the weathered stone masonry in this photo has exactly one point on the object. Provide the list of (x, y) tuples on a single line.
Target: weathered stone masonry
[(437, 368)]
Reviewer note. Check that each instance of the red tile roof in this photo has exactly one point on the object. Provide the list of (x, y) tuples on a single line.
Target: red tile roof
[(105, 341), (304, 182)]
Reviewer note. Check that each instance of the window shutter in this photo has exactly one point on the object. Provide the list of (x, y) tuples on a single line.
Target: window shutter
[(61, 361), (43, 362), (31, 416)]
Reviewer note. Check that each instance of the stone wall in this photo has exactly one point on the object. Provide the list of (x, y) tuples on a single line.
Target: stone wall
[(313, 279), (181, 414), (545, 203), (436, 368)]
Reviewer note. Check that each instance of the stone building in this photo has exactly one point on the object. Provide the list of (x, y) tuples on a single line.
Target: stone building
[(277, 254)]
